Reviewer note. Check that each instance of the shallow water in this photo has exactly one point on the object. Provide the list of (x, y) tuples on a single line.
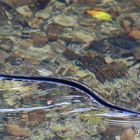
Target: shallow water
[(42, 110), (59, 39)]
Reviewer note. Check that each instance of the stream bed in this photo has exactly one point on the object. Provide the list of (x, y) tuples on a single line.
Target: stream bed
[(95, 42)]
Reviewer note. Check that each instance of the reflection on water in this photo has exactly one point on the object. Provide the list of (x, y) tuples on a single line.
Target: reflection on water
[(60, 38), (43, 111)]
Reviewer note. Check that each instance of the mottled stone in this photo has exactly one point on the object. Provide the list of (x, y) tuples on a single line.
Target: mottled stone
[(137, 2), (136, 53), (17, 130), (67, 21), (54, 31), (44, 14), (18, 3), (135, 34), (37, 117), (92, 60), (124, 42), (128, 134), (25, 11), (111, 71), (35, 23), (127, 24), (39, 41), (71, 55), (82, 37)]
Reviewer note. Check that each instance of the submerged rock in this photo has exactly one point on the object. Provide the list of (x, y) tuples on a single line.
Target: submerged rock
[(18, 3), (91, 61), (39, 41), (115, 46), (25, 11), (54, 31), (44, 14), (137, 2), (40, 4), (71, 55), (111, 71), (66, 21), (135, 54), (127, 24), (135, 34), (82, 37), (17, 130), (128, 134), (123, 42)]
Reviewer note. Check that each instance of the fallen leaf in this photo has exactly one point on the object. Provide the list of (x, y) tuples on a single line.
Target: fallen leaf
[(99, 14)]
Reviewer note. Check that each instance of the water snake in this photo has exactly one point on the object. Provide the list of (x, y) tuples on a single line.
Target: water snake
[(73, 84)]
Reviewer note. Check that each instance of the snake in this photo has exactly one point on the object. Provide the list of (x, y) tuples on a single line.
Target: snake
[(91, 93)]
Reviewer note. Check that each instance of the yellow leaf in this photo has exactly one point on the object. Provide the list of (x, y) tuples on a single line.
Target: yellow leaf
[(99, 14)]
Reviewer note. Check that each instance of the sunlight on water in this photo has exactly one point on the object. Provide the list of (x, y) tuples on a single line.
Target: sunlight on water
[(95, 42), (35, 107)]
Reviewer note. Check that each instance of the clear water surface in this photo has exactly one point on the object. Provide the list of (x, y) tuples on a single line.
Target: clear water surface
[(58, 38)]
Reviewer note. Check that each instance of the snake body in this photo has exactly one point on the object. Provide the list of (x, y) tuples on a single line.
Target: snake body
[(73, 84)]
